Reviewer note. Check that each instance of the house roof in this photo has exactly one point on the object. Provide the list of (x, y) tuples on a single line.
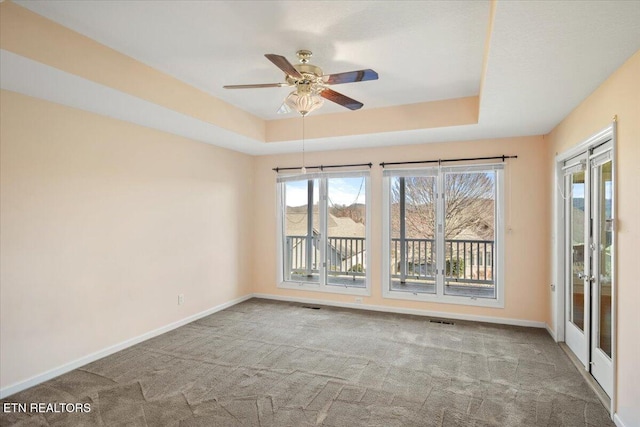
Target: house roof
[(296, 225), (466, 70), (346, 227)]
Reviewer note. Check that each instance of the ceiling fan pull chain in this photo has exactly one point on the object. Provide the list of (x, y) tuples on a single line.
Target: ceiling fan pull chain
[(304, 169)]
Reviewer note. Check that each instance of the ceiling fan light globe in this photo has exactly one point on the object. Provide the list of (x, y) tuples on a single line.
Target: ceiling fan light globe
[(304, 103)]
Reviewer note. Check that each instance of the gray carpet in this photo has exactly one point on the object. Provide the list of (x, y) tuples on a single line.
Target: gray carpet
[(263, 363)]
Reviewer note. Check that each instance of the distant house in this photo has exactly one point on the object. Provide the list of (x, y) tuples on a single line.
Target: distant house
[(346, 243), (577, 237)]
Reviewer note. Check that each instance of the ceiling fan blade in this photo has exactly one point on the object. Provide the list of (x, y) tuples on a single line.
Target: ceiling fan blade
[(282, 63), (254, 86), (341, 99), (351, 76)]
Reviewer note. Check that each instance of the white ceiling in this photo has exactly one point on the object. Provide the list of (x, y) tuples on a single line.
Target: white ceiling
[(544, 58), (423, 51)]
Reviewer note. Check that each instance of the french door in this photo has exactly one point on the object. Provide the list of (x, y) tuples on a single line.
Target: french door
[(589, 203)]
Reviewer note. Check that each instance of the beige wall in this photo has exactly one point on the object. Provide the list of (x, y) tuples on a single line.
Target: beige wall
[(103, 224), (527, 258), (618, 95)]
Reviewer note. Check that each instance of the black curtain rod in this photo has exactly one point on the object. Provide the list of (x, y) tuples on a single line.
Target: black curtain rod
[(503, 157), (323, 167)]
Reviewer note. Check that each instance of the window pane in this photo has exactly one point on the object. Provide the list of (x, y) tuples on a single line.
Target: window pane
[(346, 232), (606, 229), (301, 225), (577, 239), (413, 228), (469, 246)]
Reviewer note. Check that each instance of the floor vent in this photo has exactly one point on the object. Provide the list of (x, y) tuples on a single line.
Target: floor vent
[(443, 322), (311, 307)]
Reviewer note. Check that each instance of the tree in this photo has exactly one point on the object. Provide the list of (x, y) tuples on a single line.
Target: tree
[(469, 205), (355, 211)]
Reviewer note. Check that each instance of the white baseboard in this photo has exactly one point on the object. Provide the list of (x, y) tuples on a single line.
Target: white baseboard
[(400, 310), (618, 421), (45, 376), (551, 332)]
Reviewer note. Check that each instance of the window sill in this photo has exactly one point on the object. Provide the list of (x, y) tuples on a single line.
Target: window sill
[(327, 289), (445, 299)]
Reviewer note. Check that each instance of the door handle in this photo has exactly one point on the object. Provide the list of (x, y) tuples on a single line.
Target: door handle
[(586, 277)]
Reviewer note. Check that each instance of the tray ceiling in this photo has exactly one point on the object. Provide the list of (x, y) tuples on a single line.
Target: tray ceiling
[(528, 63)]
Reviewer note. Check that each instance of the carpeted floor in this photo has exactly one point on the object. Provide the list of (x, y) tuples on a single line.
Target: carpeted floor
[(264, 363)]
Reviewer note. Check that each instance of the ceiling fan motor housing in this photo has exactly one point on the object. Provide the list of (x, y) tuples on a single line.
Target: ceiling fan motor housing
[(311, 75)]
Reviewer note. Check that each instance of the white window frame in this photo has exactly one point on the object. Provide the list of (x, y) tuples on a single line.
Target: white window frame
[(439, 296), (322, 286)]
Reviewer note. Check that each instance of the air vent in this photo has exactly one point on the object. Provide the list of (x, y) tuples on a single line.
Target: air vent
[(311, 307), (443, 322)]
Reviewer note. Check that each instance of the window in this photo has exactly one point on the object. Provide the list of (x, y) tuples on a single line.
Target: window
[(443, 234), (323, 220)]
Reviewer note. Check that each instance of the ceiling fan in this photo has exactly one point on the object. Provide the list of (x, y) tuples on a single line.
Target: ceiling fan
[(311, 85)]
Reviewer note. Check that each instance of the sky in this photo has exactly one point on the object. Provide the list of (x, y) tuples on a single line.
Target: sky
[(578, 190), (342, 191)]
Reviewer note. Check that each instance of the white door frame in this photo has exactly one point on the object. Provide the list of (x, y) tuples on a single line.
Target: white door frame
[(558, 257), (577, 340)]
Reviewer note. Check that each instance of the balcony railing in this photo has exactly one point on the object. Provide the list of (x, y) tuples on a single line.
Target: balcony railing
[(346, 256), (297, 260), (466, 261)]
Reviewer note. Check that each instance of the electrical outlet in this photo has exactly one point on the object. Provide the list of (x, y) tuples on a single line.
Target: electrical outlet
[(358, 300), (180, 299)]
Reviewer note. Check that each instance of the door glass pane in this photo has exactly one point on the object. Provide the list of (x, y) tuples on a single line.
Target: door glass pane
[(605, 255), (301, 226), (346, 232), (576, 231), (469, 246), (413, 231)]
